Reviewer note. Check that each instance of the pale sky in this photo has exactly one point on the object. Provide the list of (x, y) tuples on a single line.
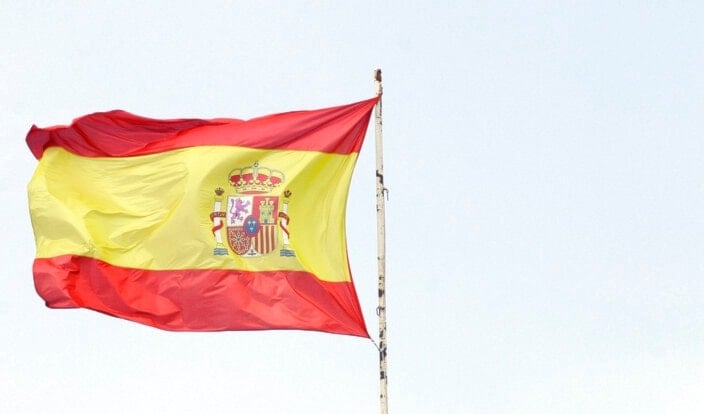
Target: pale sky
[(545, 220)]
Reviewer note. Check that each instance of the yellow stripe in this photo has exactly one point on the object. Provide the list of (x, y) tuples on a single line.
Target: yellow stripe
[(153, 211)]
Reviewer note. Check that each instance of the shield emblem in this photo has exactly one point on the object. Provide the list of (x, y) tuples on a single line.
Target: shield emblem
[(251, 224)]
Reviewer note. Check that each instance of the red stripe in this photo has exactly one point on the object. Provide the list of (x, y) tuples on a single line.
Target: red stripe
[(340, 130), (201, 300)]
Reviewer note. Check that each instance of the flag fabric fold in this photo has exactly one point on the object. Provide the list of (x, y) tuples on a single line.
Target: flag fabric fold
[(200, 225)]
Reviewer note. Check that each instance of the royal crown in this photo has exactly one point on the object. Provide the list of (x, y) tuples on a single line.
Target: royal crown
[(255, 179)]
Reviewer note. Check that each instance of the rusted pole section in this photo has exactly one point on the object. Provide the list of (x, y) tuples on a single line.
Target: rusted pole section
[(381, 246)]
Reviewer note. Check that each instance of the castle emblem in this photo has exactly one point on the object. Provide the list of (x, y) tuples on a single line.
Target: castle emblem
[(252, 216)]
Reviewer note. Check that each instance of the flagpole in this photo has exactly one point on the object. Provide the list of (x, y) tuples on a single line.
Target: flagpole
[(381, 245)]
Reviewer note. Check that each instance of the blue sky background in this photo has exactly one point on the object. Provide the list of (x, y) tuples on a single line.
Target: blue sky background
[(545, 225)]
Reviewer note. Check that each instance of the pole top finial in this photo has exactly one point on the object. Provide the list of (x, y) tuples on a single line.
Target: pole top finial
[(377, 81)]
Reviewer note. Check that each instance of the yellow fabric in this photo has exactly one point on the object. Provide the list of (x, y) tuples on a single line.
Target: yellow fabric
[(153, 211)]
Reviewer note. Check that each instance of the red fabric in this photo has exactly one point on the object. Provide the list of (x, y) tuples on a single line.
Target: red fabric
[(200, 300), (119, 133)]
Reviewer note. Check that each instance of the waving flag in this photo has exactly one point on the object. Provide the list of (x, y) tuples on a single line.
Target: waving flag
[(200, 225)]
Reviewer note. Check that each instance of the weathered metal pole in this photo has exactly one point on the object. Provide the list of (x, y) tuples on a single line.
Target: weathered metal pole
[(381, 246)]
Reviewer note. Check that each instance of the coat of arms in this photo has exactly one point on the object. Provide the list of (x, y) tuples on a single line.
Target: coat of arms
[(254, 218)]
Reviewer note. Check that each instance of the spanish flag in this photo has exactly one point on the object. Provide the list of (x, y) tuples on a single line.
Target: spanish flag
[(200, 225)]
